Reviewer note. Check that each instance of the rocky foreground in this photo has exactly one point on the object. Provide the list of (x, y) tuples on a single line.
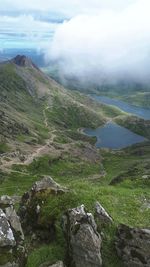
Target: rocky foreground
[(82, 230)]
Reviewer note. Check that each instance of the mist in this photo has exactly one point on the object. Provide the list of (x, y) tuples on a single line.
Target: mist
[(108, 45)]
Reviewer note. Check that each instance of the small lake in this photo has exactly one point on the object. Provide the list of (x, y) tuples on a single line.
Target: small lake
[(138, 111), (114, 136)]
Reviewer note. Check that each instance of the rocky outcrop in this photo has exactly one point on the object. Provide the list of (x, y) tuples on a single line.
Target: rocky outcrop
[(31, 206), (14, 222), (6, 233), (23, 61), (102, 215), (83, 240), (12, 251), (47, 183), (133, 246)]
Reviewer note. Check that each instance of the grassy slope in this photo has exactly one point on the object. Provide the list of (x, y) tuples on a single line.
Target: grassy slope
[(135, 124), (26, 92)]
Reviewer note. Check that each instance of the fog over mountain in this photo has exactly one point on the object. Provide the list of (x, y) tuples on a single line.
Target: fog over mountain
[(107, 44)]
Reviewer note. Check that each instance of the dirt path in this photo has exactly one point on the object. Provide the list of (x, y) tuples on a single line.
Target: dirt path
[(41, 150)]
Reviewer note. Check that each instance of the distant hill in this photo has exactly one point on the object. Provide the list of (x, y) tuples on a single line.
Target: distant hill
[(27, 95)]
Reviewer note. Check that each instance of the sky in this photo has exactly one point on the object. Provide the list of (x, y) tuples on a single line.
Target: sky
[(84, 37), (32, 23)]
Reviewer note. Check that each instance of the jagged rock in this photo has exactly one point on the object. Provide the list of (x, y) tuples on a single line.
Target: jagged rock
[(83, 240), (102, 214), (6, 234), (12, 251), (14, 222), (47, 183), (23, 61), (31, 206), (133, 246)]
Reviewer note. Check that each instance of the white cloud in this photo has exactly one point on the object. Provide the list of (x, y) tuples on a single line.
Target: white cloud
[(109, 42), (24, 30), (68, 7)]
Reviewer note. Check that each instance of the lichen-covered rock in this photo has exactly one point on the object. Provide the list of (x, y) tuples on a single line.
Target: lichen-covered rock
[(133, 246), (14, 222), (12, 251), (6, 234), (47, 183), (31, 208), (102, 214), (83, 240)]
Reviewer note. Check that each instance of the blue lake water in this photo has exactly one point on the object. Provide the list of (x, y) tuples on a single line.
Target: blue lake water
[(138, 111), (114, 136)]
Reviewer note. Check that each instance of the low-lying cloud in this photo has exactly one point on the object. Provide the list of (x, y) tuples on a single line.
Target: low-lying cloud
[(110, 44)]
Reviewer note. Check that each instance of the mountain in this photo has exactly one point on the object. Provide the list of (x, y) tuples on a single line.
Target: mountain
[(129, 90), (41, 134)]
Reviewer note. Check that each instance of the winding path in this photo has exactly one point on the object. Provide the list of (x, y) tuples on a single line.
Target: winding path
[(6, 165)]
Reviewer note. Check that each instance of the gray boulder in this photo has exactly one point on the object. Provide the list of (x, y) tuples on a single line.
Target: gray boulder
[(6, 234), (83, 240), (47, 183), (12, 251), (102, 214), (14, 222), (133, 246)]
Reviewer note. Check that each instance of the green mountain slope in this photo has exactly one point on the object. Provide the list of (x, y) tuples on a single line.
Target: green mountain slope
[(27, 96)]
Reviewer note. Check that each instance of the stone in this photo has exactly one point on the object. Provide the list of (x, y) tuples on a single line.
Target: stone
[(12, 250), (47, 183), (146, 176), (14, 221), (102, 214), (133, 246), (83, 240), (6, 234), (57, 264)]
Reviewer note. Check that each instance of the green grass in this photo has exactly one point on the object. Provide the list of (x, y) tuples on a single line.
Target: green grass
[(45, 253), (4, 147)]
